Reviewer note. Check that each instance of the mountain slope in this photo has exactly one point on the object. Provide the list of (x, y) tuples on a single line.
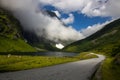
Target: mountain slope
[(11, 39), (105, 40), (41, 41)]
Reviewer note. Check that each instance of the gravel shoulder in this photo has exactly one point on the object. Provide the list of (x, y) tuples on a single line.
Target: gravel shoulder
[(79, 70)]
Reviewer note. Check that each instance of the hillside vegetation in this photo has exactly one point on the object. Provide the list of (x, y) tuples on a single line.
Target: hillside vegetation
[(106, 40), (11, 39)]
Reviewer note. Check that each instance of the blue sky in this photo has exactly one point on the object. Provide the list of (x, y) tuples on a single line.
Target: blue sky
[(81, 21)]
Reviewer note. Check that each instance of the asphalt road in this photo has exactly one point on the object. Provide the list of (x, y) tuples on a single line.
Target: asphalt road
[(80, 70)]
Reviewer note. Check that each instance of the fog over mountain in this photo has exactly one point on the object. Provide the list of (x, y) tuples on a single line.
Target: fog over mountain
[(33, 18)]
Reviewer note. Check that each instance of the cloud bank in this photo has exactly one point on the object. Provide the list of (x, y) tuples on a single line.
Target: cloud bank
[(94, 28)]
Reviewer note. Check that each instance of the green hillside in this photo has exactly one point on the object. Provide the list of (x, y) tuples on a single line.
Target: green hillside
[(11, 39), (106, 40)]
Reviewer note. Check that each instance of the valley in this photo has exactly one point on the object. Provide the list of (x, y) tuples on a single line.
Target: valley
[(17, 44)]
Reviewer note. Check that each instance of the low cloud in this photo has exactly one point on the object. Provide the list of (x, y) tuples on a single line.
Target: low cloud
[(92, 29), (68, 20), (33, 19)]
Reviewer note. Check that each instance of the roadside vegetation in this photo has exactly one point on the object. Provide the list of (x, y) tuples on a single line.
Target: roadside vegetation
[(110, 70), (111, 66), (15, 63)]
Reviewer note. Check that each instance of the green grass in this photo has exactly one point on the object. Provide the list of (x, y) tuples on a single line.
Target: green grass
[(110, 71), (14, 45), (15, 63)]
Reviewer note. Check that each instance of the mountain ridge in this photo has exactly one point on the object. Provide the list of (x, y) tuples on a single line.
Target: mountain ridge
[(93, 42)]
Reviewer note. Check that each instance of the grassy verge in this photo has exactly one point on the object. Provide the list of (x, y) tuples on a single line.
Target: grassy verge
[(14, 63), (110, 71), (85, 55)]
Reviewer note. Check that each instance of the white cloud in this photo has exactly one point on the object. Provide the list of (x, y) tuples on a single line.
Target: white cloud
[(68, 20), (65, 5), (92, 29), (41, 24), (61, 32), (87, 7), (57, 13), (112, 8)]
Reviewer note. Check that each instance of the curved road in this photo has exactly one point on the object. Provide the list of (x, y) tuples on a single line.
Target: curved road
[(80, 70)]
